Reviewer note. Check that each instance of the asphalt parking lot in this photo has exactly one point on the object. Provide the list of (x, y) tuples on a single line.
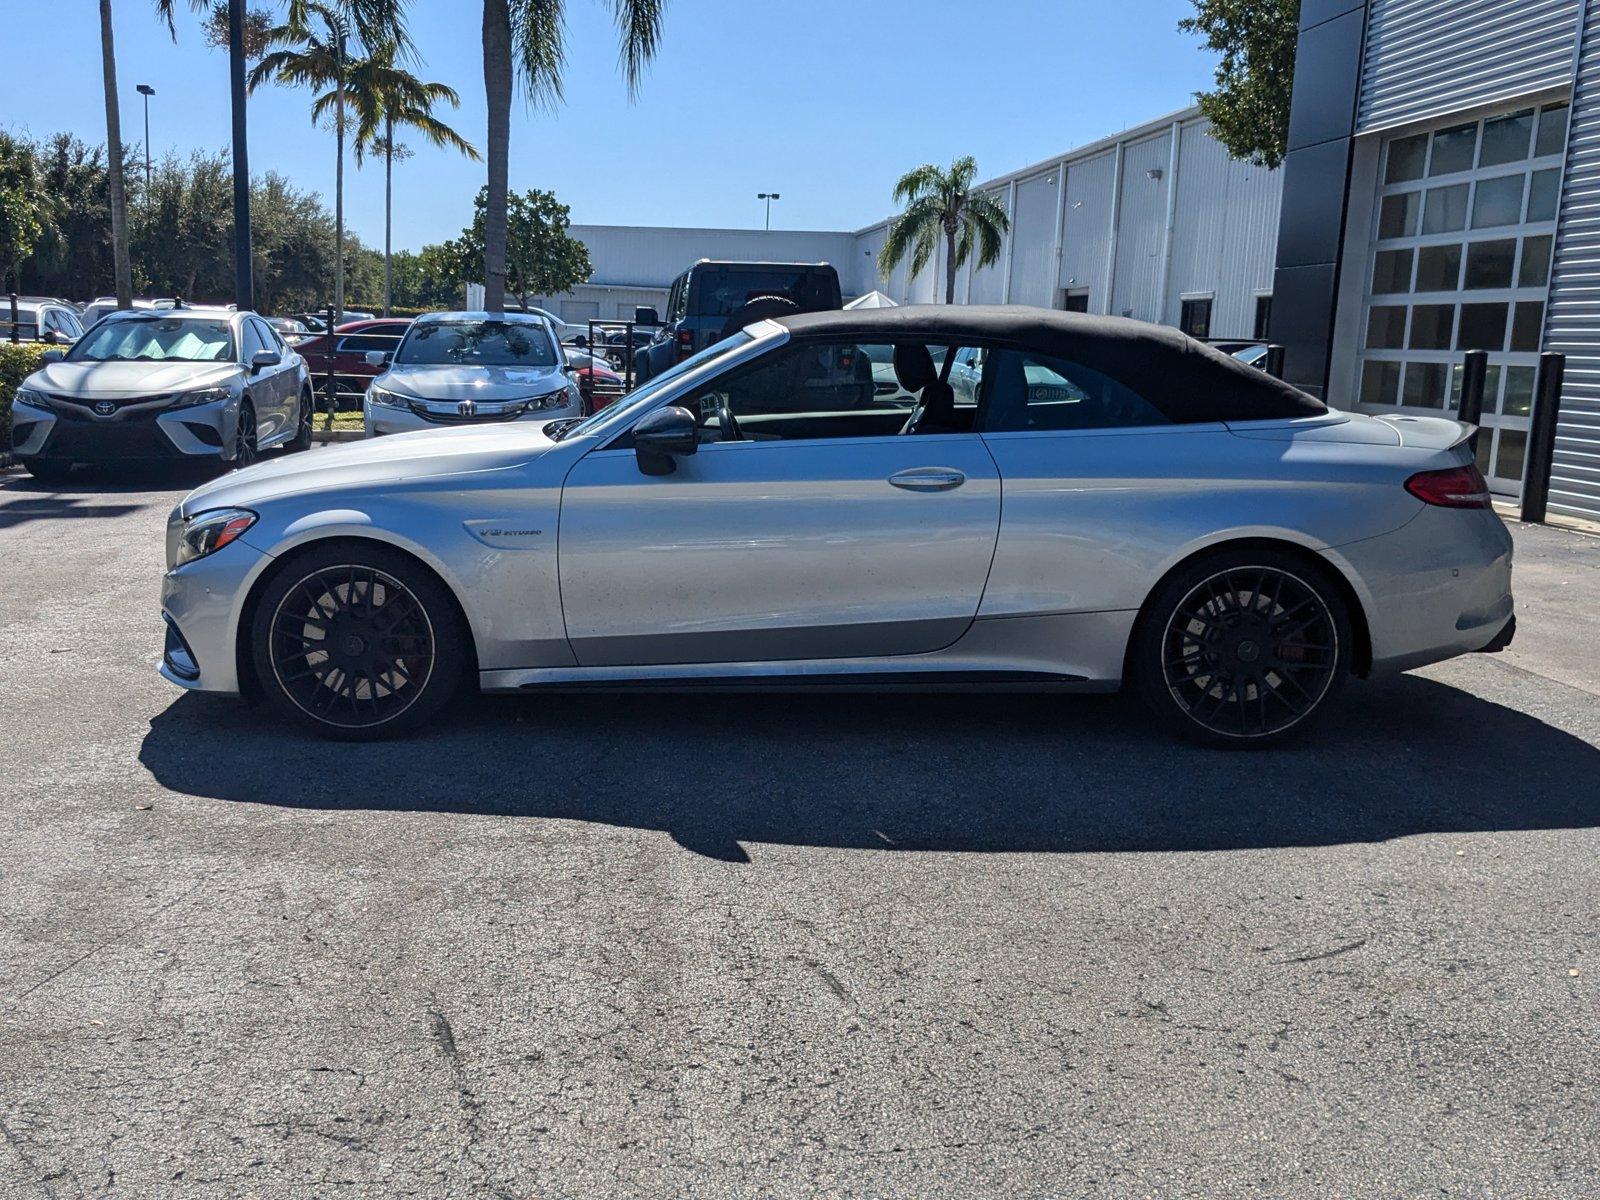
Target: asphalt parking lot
[(864, 946)]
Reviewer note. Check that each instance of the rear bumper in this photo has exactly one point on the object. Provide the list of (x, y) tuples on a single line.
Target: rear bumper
[(1437, 587)]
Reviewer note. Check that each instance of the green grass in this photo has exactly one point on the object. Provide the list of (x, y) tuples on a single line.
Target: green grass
[(344, 420)]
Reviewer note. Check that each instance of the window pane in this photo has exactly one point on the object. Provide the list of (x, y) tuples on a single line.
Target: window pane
[(1406, 156), (1386, 328), (810, 391), (1535, 261), (1391, 272), (1263, 317), (1519, 392), (1489, 263), (1543, 194), (1483, 327), (1453, 149), (1446, 210), (1425, 384), (1552, 131), (1513, 449), (1506, 139), (1527, 325), (1035, 391), (1380, 383), (1430, 326), (1491, 386), (1485, 448), (1498, 202), (1438, 268), (1398, 217)]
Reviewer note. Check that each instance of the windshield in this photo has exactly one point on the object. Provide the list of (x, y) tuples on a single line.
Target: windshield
[(477, 344), (155, 339), (622, 409)]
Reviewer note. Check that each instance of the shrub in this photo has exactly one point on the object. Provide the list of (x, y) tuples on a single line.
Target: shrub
[(17, 362)]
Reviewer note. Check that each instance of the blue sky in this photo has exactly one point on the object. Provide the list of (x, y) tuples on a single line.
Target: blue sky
[(823, 101)]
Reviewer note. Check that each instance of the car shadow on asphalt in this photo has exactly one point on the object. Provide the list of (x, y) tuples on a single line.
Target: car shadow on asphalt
[(1401, 756)]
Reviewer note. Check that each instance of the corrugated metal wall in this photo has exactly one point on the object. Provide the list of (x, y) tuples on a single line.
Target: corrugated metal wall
[(989, 283), (1086, 237), (1033, 267), (1572, 318), (1427, 58), (1141, 233), (1226, 228)]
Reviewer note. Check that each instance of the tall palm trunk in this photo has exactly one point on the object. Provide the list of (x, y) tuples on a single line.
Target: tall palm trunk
[(388, 211), (122, 266), (497, 88), (949, 265), (338, 200)]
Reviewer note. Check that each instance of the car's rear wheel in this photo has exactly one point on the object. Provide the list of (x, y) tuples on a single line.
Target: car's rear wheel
[(244, 437), (357, 642), (1241, 649), (48, 471), (305, 410)]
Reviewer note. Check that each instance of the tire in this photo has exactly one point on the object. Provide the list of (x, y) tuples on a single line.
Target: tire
[(758, 308), (1242, 649), (47, 471), (388, 674), (245, 450), (304, 414)]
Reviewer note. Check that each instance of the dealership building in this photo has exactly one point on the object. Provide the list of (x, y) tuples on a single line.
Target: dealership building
[(1441, 193)]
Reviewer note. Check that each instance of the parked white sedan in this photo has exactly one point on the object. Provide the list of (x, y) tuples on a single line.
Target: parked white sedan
[(1115, 504), (465, 368)]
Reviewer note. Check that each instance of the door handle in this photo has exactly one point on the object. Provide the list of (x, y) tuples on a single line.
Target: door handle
[(928, 479)]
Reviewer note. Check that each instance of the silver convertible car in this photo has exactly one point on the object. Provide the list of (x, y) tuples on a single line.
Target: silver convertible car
[(1113, 504)]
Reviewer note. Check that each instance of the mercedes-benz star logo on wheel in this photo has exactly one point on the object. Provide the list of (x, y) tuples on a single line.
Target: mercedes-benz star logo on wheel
[(104, 408)]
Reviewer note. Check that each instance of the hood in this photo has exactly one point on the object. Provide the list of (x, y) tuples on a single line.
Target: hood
[(381, 464), (115, 379), (424, 382)]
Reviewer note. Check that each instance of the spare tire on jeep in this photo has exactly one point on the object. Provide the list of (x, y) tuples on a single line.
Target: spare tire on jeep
[(758, 308)]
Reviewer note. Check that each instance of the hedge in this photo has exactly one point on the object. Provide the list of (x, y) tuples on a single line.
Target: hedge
[(17, 361)]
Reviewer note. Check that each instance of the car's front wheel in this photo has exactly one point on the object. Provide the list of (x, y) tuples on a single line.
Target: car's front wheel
[(244, 437), (357, 641), (1241, 649)]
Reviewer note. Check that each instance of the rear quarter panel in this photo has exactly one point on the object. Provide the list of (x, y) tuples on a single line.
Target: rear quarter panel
[(1091, 519)]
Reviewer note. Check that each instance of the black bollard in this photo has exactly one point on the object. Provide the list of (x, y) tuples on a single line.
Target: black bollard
[(1542, 435)]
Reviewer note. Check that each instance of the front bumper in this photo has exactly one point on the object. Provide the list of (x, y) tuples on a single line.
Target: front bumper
[(380, 419), (72, 434), (202, 603)]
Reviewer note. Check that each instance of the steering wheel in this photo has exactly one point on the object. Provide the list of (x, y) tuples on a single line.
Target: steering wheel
[(730, 426)]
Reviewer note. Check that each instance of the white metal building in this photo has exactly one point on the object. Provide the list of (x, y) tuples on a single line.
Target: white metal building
[(1156, 223)]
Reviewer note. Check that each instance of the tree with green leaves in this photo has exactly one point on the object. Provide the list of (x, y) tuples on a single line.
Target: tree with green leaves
[(526, 39), (385, 96), (24, 207), (123, 268), (542, 258), (1249, 108), (941, 205)]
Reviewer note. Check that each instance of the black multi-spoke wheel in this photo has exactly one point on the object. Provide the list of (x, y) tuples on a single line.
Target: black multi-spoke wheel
[(357, 642), (244, 436), (304, 410), (1241, 650)]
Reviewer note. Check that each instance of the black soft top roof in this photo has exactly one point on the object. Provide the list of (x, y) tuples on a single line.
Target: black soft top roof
[(1188, 380)]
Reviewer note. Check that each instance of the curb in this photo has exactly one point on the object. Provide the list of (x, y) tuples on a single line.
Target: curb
[(337, 435)]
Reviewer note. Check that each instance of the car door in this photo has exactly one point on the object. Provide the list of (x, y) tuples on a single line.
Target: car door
[(285, 376), (263, 383), (815, 530)]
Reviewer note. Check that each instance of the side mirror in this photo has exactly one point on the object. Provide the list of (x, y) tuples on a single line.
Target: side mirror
[(660, 437), (377, 358), (262, 359), (52, 356), (646, 316)]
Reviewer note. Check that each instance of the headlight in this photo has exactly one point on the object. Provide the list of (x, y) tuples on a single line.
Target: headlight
[(211, 531), (386, 398), (29, 396), (199, 396), (556, 399)]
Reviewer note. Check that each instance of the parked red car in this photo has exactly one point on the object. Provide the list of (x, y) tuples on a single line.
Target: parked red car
[(351, 341), (597, 388)]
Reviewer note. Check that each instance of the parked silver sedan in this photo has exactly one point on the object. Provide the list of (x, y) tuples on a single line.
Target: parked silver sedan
[(463, 368), (1116, 504)]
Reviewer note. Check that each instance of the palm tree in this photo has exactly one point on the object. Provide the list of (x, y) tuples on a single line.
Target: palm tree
[(943, 202), (531, 32), (122, 263), (317, 58), (385, 96)]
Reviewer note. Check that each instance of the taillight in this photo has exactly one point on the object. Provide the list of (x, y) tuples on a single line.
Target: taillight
[(1454, 487)]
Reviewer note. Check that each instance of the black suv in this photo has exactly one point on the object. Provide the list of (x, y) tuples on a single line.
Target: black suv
[(712, 300)]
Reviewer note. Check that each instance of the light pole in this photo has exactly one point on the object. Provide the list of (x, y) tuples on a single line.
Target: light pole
[(146, 91), (769, 197)]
